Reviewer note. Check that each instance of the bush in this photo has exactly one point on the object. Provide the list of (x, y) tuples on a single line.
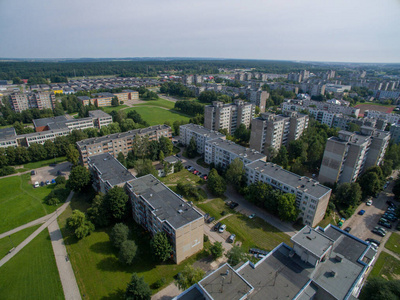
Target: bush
[(159, 283), (127, 252), (119, 234), (60, 180), (206, 238), (4, 171), (52, 201)]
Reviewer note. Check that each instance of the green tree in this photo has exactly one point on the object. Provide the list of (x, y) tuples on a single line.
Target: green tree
[(191, 149), (370, 184), (121, 159), (50, 148), (144, 167), (188, 277), (119, 234), (235, 255), (217, 250), (215, 183), (79, 178), (161, 247), (348, 194), (396, 188), (353, 127), (166, 145), (282, 158), (161, 156), (114, 101), (137, 289), (127, 252), (60, 180), (37, 151), (242, 133), (380, 289), (98, 213), (116, 202), (78, 223), (235, 173), (178, 166), (287, 210), (72, 154)]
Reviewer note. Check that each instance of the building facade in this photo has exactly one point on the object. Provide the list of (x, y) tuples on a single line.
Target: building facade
[(40, 100), (200, 134)]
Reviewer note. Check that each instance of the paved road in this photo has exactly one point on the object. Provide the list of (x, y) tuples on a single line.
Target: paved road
[(67, 276), (27, 225)]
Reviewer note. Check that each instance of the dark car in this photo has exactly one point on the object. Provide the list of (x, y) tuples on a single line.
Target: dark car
[(385, 224), (378, 232), (59, 173), (53, 164), (361, 212), (210, 220), (347, 229), (206, 216), (233, 205), (373, 241), (33, 172), (42, 183), (390, 203), (216, 227), (231, 238), (178, 155), (188, 167)]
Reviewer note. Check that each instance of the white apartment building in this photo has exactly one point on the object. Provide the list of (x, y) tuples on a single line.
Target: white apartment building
[(391, 118), (200, 134)]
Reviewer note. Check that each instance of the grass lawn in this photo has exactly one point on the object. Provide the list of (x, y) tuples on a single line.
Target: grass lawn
[(7, 243), (386, 267), (255, 232), (109, 109), (98, 271), (42, 163), (327, 220), (21, 203), (182, 176), (215, 208), (32, 273), (156, 115), (393, 244), (160, 102)]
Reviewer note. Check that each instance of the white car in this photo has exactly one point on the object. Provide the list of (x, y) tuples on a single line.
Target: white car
[(222, 228), (369, 202), (36, 184)]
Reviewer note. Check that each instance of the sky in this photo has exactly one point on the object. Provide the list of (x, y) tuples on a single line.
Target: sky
[(306, 30)]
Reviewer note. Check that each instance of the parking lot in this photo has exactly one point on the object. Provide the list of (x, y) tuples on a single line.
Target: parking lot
[(51, 172)]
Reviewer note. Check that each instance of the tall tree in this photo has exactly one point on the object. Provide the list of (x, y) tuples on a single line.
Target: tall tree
[(282, 158), (137, 289), (116, 202), (348, 194), (119, 234), (216, 250), (235, 255), (78, 178), (370, 184), (72, 154), (161, 246), (287, 210), (215, 183), (127, 252), (79, 224), (235, 173), (191, 149), (166, 145)]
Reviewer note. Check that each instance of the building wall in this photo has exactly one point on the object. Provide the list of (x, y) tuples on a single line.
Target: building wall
[(189, 240), (332, 161)]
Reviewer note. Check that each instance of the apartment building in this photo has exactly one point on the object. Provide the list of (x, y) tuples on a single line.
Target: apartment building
[(316, 107), (107, 172), (200, 134), (269, 132), (228, 116), (23, 101), (120, 142), (323, 263), (258, 98), (395, 133), (390, 118), (158, 209), (132, 95), (85, 100), (100, 118), (8, 137), (26, 140), (312, 198), (349, 154), (222, 152), (102, 99), (337, 88)]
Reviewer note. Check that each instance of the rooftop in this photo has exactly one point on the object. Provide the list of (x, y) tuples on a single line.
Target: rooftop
[(203, 131), (110, 169), (312, 240), (6, 133), (167, 205), (305, 184), (46, 121), (98, 114), (240, 151)]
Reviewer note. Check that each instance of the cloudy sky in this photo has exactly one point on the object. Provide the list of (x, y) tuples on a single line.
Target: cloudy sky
[(313, 30)]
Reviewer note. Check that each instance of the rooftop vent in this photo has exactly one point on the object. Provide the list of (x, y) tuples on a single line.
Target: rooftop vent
[(338, 258)]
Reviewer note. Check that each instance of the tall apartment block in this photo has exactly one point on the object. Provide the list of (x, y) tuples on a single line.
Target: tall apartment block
[(258, 98), (127, 95), (41, 100), (395, 133), (120, 142), (158, 209), (269, 132), (200, 134), (349, 154), (222, 152), (312, 198), (228, 116)]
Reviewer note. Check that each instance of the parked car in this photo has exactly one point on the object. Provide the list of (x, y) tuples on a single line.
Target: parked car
[(347, 229), (36, 184), (204, 177), (53, 181), (374, 246), (216, 227), (391, 218), (188, 167), (390, 203), (206, 216), (373, 241), (59, 173), (385, 224), (378, 232), (252, 216), (233, 205), (380, 228), (33, 172), (231, 238), (222, 228), (199, 174), (383, 220), (210, 219), (195, 172), (369, 203), (53, 164), (47, 182), (361, 212), (42, 183)]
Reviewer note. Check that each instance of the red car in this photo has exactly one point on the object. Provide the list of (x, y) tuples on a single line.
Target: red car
[(195, 172)]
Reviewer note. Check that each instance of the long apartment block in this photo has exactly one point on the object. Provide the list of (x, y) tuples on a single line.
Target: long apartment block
[(269, 132), (158, 209), (200, 134), (312, 198), (222, 152), (349, 154), (390, 118), (228, 116), (24, 101), (119, 142)]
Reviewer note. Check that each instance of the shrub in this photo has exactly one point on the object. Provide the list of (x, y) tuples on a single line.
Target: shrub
[(52, 201)]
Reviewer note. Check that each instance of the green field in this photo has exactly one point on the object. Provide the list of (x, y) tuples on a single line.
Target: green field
[(109, 109), (15, 239), (160, 102), (157, 115), (215, 208), (42, 163), (21, 203), (255, 232), (182, 176), (393, 244), (98, 271), (386, 267), (32, 273)]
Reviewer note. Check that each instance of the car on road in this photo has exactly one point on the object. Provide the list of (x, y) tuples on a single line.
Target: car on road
[(209, 220), (233, 205), (36, 184), (216, 227), (373, 241), (347, 229), (256, 251), (231, 238), (361, 212), (369, 203), (33, 172), (252, 216), (222, 228), (47, 182), (385, 224)]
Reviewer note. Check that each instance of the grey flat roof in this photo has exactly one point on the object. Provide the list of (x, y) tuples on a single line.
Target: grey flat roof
[(110, 168), (98, 114), (312, 240), (224, 284), (167, 205), (47, 121), (129, 91), (241, 151), (132, 133), (104, 95), (83, 98), (6, 133), (307, 185), (203, 131)]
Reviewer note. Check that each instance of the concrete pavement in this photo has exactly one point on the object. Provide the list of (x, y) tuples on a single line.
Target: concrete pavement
[(27, 225)]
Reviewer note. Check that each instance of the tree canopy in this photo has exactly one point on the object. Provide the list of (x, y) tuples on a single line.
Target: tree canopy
[(215, 183), (161, 246), (189, 276), (137, 289), (78, 178)]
